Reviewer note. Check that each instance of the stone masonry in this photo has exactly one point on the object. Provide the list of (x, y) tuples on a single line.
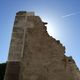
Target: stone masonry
[(35, 55)]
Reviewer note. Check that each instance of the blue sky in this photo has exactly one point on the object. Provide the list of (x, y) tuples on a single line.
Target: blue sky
[(63, 17)]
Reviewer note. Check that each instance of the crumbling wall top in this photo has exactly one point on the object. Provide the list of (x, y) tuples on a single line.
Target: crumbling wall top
[(24, 13)]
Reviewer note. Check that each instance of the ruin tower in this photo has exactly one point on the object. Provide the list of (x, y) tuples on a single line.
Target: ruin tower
[(34, 55), (17, 44)]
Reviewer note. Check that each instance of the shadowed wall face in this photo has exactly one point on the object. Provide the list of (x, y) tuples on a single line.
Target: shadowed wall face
[(12, 72)]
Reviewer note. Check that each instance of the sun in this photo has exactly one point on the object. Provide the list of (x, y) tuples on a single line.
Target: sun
[(52, 29)]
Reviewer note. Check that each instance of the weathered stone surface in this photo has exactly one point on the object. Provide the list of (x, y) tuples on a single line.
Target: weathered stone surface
[(40, 56), (72, 68)]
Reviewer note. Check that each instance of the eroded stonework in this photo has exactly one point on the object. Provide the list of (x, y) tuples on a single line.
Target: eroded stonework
[(40, 56)]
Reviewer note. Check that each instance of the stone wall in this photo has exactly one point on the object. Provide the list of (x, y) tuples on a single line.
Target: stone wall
[(34, 54), (43, 55)]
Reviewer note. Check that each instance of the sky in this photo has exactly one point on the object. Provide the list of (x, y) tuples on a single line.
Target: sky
[(63, 17)]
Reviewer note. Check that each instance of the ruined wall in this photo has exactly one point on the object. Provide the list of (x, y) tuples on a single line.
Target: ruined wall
[(72, 68), (42, 56), (34, 54)]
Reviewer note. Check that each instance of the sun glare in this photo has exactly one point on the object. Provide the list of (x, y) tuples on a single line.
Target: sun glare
[(52, 29)]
